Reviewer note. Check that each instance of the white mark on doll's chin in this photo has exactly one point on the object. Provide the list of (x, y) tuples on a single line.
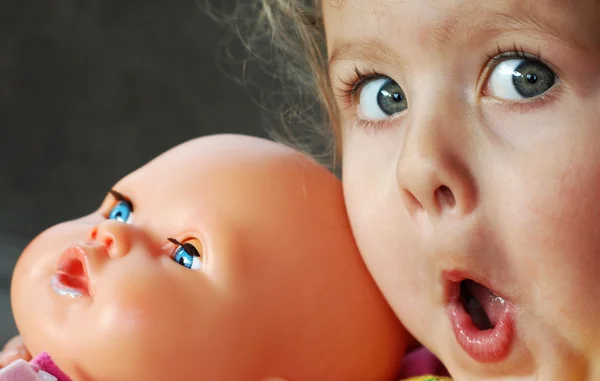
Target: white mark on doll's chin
[(64, 290)]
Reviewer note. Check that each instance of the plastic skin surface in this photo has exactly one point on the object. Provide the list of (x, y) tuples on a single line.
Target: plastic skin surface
[(277, 291)]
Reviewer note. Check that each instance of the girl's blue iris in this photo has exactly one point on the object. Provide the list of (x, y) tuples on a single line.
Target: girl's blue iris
[(186, 259), (121, 212)]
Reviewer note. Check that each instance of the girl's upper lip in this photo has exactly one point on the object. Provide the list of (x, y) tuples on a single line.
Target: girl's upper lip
[(451, 278)]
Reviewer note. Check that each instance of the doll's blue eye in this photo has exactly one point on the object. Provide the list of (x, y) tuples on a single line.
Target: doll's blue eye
[(122, 212), (187, 256)]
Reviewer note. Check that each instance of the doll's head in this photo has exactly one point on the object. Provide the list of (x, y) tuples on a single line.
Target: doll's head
[(226, 258)]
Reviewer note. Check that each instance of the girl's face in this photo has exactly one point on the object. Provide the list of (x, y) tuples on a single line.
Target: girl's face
[(471, 151)]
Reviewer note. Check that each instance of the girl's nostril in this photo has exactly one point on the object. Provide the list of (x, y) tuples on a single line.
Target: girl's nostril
[(94, 233), (445, 196)]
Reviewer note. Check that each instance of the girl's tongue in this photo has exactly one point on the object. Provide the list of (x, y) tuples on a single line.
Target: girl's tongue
[(484, 307)]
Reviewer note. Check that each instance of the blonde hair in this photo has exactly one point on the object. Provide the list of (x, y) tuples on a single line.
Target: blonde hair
[(287, 40)]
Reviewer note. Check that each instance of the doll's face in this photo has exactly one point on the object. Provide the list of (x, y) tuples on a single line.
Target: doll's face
[(178, 275), (132, 288)]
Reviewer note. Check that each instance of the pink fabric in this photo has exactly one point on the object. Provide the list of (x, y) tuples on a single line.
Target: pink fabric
[(45, 363), (421, 362), (21, 370)]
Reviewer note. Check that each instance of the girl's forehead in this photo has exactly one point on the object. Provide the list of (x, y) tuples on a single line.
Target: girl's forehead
[(455, 7), (435, 22)]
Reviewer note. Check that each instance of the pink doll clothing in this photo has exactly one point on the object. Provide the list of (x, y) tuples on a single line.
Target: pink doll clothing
[(41, 368), (421, 362)]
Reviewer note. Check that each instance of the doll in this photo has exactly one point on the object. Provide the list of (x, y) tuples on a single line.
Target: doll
[(226, 258)]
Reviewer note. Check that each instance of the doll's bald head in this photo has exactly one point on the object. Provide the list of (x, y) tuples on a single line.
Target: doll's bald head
[(260, 277)]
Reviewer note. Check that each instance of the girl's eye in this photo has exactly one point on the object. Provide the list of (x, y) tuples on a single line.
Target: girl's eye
[(187, 254), (520, 78), (381, 98), (123, 212)]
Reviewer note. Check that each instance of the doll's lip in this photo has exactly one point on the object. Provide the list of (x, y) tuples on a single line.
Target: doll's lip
[(72, 276), (484, 331)]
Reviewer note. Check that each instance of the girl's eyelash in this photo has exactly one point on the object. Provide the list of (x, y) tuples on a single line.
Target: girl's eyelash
[(354, 83), (516, 52), (349, 92), (122, 198), (372, 125), (188, 247)]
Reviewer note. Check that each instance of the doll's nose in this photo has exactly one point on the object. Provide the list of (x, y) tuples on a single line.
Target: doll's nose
[(114, 236)]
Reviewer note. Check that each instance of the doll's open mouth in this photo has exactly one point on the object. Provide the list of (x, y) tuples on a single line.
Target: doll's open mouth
[(482, 320), (71, 278)]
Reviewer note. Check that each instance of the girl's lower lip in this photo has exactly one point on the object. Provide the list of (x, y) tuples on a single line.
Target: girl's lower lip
[(485, 346)]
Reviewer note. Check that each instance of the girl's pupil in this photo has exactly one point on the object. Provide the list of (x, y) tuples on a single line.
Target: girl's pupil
[(532, 78)]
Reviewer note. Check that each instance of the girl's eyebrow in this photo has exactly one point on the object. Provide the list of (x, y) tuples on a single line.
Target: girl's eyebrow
[(370, 50), (530, 23), (470, 29), (474, 28)]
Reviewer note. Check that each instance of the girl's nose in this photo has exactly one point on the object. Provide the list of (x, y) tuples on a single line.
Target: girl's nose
[(434, 169), (115, 236), (435, 185)]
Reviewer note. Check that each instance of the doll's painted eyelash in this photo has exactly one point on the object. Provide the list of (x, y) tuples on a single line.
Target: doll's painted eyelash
[(186, 255), (121, 198), (188, 247)]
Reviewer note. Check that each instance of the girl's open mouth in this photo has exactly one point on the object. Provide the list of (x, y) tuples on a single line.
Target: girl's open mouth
[(482, 321)]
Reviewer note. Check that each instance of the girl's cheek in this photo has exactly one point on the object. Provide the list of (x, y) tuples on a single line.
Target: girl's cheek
[(384, 232)]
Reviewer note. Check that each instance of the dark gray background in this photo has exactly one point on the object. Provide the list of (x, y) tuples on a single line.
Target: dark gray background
[(89, 91)]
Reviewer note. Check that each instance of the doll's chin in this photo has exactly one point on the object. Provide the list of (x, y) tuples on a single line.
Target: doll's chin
[(61, 350), (43, 318)]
